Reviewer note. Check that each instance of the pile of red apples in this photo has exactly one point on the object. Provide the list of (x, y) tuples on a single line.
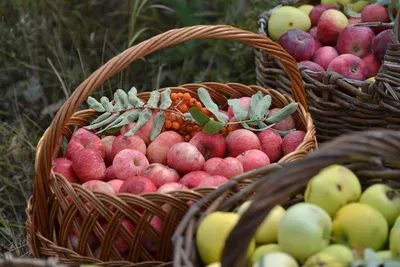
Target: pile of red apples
[(334, 44)]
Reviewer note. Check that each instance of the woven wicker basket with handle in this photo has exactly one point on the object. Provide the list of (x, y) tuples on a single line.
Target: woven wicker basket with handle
[(51, 216), (331, 98), (366, 152)]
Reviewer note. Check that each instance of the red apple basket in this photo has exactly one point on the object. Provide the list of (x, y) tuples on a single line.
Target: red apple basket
[(51, 216), (337, 105), (365, 152)]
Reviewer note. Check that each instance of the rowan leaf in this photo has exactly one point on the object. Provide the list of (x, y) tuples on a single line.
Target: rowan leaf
[(102, 123), (124, 98), (238, 111), (144, 117), (153, 100), (282, 113), (205, 98), (158, 124), (94, 104), (283, 133), (199, 116), (166, 98), (118, 106), (133, 99), (212, 127), (101, 117), (108, 106), (247, 126), (259, 106)]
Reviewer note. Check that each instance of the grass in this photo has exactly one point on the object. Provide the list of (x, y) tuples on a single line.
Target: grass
[(50, 46)]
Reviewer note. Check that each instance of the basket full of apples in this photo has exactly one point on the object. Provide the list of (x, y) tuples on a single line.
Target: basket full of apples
[(348, 55), (113, 181), (318, 211)]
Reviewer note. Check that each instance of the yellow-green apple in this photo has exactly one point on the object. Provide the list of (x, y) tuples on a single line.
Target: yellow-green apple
[(267, 232), (394, 240), (375, 13), (215, 264), (355, 40), (263, 250), (373, 65), (330, 23), (323, 259), (324, 56), (384, 254), (356, 7), (317, 11), (299, 44), (212, 233), (306, 8), (385, 199), (380, 43), (350, 66), (341, 252), (276, 258), (332, 188), (360, 226), (330, 2), (285, 18), (304, 230)]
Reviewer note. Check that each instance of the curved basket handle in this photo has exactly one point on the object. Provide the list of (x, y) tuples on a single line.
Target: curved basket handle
[(115, 65), (376, 147)]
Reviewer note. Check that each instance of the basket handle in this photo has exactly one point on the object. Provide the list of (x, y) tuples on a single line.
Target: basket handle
[(376, 147), (51, 137)]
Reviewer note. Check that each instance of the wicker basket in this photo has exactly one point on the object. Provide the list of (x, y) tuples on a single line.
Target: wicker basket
[(50, 216), (331, 98), (9, 261), (367, 152)]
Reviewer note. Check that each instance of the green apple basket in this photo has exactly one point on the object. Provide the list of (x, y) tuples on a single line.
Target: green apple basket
[(362, 152), (51, 216), (336, 103)]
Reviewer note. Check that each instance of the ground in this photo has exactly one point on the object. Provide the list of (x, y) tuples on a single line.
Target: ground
[(50, 46)]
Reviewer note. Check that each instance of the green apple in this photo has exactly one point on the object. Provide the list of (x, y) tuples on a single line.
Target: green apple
[(323, 259), (341, 252), (275, 259), (332, 188), (285, 18), (360, 226), (306, 8), (383, 198), (394, 239), (263, 250), (330, 2), (356, 7), (212, 233), (304, 230), (215, 264), (267, 232), (384, 254)]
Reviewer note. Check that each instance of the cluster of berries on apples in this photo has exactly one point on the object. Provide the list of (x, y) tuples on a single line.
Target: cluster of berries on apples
[(180, 157), (324, 38), (338, 223)]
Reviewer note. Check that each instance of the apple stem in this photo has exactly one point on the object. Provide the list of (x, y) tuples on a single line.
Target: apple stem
[(374, 24)]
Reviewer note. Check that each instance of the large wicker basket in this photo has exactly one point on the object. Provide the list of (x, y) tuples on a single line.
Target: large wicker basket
[(331, 98), (365, 153), (50, 216)]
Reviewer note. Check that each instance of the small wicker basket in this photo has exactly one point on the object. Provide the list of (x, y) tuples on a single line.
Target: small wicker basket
[(331, 98), (50, 216), (367, 152)]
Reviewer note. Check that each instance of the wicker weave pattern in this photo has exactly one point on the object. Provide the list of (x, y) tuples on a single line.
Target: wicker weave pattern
[(364, 152), (331, 98), (50, 216)]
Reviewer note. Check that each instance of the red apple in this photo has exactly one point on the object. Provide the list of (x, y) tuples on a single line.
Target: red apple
[(193, 179), (350, 66), (63, 166), (158, 149), (354, 20), (98, 186), (299, 44), (314, 67), (375, 13), (128, 163), (144, 131), (88, 164), (107, 142), (137, 185), (332, 21), (318, 44), (110, 174), (229, 167), (324, 56), (355, 40), (160, 174), (292, 140), (213, 181), (168, 187), (120, 244), (316, 12), (380, 43), (127, 142), (83, 138), (116, 184), (209, 145), (245, 101), (185, 157), (313, 32), (253, 159), (373, 65), (211, 164)]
